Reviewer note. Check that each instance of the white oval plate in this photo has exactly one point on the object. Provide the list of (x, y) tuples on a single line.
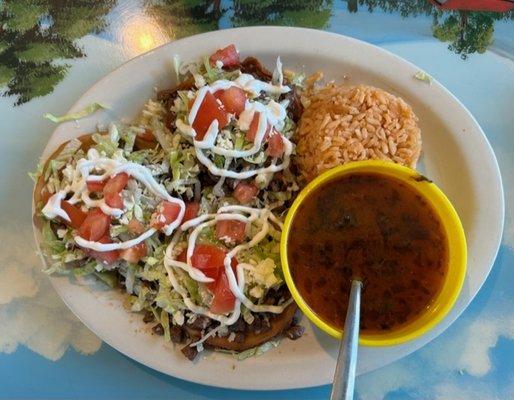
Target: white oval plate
[(456, 155)]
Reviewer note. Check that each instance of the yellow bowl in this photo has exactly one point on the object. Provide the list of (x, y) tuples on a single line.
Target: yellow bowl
[(454, 279)]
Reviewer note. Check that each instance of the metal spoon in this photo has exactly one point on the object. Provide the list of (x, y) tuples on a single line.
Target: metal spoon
[(344, 376)]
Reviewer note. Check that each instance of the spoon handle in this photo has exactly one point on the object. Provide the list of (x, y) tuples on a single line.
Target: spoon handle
[(344, 376)]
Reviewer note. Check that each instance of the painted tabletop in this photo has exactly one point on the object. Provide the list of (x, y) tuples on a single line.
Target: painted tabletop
[(51, 51)]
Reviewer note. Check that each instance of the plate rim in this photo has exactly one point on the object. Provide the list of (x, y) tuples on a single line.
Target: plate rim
[(445, 324)]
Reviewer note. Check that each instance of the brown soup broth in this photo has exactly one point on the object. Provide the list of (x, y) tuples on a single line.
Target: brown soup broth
[(375, 228)]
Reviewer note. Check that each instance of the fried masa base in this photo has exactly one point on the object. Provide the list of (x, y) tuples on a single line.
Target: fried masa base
[(278, 324)]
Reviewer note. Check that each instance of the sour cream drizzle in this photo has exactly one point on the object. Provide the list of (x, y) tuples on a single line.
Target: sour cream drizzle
[(84, 172), (271, 114), (239, 213)]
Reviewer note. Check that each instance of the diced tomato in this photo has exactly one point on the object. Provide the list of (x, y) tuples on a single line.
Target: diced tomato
[(165, 214), (223, 300), (147, 135), (106, 257), (231, 230), (209, 259), (233, 99), (254, 126), (275, 145), (135, 253), (245, 192), (114, 200), (77, 216), (208, 256), (209, 110), (134, 226), (95, 186), (228, 56), (45, 196), (95, 226), (116, 184), (182, 257), (191, 211)]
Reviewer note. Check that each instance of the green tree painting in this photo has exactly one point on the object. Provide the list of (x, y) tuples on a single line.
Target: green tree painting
[(36, 36), (467, 32), (181, 18), (306, 13)]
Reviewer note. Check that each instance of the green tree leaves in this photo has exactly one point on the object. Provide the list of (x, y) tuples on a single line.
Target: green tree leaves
[(307, 13), (35, 80), (46, 51), (181, 18), (468, 32), (23, 15), (37, 36)]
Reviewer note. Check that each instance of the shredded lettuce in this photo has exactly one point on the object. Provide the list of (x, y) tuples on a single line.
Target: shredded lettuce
[(176, 66), (90, 109), (192, 287), (104, 144), (258, 158), (139, 156), (296, 78), (130, 278), (211, 74), (37, 173), (117, 230), (50, 241), (289, 127), (247, 315), (423, 77), (165, 322), (219, 161), (183, 164), (129, 137), (87, 269), (259, 350), (69, 150), (108, 277), (240, 141), (166, 301), (143, 300)]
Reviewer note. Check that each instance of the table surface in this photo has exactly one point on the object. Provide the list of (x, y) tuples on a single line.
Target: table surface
[(45, 352)]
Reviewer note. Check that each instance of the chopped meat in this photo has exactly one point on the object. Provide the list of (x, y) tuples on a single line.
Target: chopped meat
[(266, 326), (168, 96), (295, 109), (260, 324), (169, 120), (149, 317), (252, 66), (256, 325), (240, 337), (200, 322), (295, 332), (177, 334), (158, 330), (189, 352), (278, 324), (238, 326)]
